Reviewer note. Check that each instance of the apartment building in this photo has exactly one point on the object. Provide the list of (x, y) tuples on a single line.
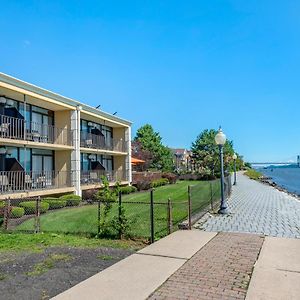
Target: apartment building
[(50, 144)]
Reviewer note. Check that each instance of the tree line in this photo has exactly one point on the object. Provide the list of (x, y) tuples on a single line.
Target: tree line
[(147, 145)]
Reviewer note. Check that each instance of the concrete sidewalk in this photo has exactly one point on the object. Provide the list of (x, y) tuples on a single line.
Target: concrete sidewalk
[(140, 274), (276, 273), (200, 265)]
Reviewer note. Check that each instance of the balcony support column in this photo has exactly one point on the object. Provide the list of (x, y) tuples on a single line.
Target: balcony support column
[(75, 155), (128, 170)]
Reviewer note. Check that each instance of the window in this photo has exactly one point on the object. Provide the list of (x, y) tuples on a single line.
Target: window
[(25, 158), (42, 160), (108, 134), (85, 162), (84, 126), (107, 162)]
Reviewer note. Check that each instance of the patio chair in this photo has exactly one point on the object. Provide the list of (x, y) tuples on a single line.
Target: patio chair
[(4, 128), (28, 181), (89, 142), (94, 177), (4, 183)]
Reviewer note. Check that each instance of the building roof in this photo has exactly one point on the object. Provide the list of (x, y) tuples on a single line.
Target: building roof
[(43, 92), (179, 151)]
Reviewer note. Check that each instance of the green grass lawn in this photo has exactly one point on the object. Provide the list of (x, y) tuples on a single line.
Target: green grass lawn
[(83, 219), (38, 242), (253, 174)]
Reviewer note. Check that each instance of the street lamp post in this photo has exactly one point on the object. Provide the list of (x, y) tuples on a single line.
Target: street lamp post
[(220, 140), (234, 159)]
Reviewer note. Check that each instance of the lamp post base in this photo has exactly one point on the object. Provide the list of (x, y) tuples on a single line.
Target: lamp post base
[(223, 211)]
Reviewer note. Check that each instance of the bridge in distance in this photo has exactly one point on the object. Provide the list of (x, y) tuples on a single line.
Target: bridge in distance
[(261, 164)]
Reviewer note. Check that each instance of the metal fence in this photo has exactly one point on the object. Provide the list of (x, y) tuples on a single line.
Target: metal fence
[(149, 219)]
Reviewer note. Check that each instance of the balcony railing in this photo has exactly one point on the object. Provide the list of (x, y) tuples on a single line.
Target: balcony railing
[(90, 140), (95, 176), (19, 129), (20, 181)]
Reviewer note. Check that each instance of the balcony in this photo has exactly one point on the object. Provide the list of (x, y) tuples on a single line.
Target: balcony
[(93, 141), (19, 129), (95, 176), (21, 181)]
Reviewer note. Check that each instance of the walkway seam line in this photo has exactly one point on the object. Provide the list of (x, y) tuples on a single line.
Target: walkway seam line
[(291, 271), (160, 255)]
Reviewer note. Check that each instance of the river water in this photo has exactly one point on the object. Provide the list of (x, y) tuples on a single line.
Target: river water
[(288, 178)]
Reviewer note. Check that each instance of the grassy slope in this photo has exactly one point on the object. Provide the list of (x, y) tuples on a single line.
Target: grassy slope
[(253, 174), (84, 219)]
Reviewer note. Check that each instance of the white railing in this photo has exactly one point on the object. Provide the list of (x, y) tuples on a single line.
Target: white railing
[(14, 128), (20, 181), (90, 140)]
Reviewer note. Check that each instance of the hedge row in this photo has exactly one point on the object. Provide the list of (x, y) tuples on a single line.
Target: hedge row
[(128, 189), (159, 182), (30, 207), (17, 212)]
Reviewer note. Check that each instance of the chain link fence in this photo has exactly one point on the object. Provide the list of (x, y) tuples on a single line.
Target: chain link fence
[(149, 219)]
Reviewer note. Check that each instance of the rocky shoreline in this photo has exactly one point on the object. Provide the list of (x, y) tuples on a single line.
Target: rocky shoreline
[(270, 182)]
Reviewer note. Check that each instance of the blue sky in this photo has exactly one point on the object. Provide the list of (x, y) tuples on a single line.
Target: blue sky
[(181, 66)]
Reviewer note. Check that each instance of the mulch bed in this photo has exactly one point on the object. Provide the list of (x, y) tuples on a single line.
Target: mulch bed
[(73, 266)]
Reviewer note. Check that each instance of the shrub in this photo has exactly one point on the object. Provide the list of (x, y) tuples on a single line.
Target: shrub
[(72, 200), (30, 207), (17, 212), (89, 194), (127, 189), (159, 182), (55, 203), (143, 185), (172, 178), (253, 174), (2, 204)]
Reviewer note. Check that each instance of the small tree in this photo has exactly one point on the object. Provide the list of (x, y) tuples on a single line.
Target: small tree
[(162, 158), (107, 196)]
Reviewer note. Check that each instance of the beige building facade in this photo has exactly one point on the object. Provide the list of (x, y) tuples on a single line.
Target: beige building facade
[(50, 144)]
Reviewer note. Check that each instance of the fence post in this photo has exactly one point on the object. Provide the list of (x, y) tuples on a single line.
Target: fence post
[(37, 215), (189, 208), (151, 217), (120, 212), (170, 221), (99, 216), (211, 196), (6, 213)]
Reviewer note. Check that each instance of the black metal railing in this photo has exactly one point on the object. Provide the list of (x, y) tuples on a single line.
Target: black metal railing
[(90, 140), (14, 128), (19, 181), (95, 176)]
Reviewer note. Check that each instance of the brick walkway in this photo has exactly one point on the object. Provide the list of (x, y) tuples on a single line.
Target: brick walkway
[(220, 270), (257, 208)]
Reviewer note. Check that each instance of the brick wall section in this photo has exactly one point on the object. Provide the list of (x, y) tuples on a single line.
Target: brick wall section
[(220, 270)]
